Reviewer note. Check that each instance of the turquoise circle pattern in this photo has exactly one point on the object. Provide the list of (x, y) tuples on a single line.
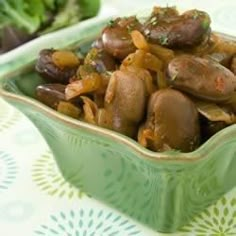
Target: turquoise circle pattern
[(89, 222), (8, 171)]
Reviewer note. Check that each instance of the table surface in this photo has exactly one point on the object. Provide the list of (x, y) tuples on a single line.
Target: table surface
[(36, 200)]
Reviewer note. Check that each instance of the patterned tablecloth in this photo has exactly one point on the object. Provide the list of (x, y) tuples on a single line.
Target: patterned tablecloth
[(36, 200)]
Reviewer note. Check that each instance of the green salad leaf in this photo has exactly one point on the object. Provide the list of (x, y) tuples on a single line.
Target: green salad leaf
[(31, 18), (72, 12), (31, 15), (53, 4), (69, 14), (89, 8), (27, 15)]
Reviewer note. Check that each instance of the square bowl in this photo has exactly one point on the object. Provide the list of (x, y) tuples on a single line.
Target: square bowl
[(161, 190)]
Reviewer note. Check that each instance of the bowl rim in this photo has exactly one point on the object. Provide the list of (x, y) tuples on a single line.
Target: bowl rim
[(173, 155)]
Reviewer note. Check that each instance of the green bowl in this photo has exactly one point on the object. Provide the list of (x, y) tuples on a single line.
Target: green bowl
[(161, 190)]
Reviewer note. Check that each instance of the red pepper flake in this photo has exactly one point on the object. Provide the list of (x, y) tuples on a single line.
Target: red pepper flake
[(219, 84)]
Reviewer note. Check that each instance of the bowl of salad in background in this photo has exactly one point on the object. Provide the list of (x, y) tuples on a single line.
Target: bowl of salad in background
[(24, 20), (163, 190)]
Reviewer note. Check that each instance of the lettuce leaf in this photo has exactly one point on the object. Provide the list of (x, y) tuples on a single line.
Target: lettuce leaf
[(72, 12), (89, 8), (30, 15), (27, 15), (32, 18), (69, 14)]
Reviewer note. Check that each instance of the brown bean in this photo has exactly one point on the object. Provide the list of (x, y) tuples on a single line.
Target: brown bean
[(51, 94), (116, 37), (175, 31), (54, 70), (125, 101), (172, 122), (201, 77), (100, 60)]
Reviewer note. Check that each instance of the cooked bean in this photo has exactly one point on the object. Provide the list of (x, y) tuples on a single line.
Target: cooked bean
[(51, 94), (176, 31), (125, 101), (116, 36), (201, 77), (100, 60), (57, 66), (172, 122)]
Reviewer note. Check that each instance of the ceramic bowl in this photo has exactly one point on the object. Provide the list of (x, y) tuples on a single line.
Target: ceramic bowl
[(161, 190)]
